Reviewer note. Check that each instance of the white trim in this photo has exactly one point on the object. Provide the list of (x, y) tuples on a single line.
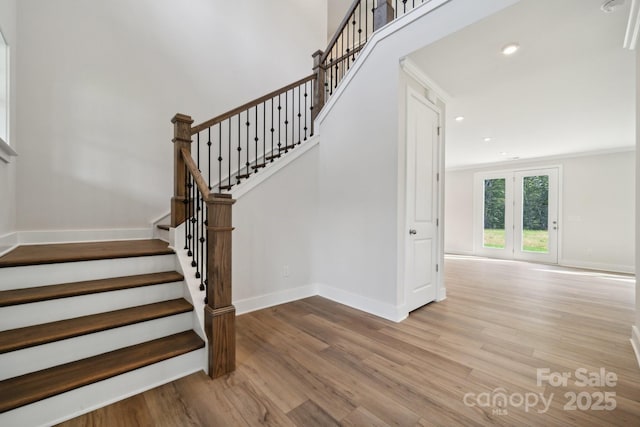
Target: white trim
[(75, 236), (633, 26), (635, 342), (359, 302), (6, 152), (599, 266), (412, 69), (271, 169), (389, 29), (259, 302), (8, 242), (512, 164)]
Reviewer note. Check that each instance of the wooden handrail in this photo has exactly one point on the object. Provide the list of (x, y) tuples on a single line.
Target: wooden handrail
[(343, 24), (195, 172), (251, 104)]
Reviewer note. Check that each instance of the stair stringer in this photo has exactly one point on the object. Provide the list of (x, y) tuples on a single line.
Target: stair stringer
[(192, 292)]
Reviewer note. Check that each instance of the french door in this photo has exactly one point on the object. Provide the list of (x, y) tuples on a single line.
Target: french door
[(518, 218)]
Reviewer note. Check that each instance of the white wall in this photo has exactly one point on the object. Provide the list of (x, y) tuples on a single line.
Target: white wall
[(8, 170), (100, 81), (356, 257), (273, 237), (597, 210)]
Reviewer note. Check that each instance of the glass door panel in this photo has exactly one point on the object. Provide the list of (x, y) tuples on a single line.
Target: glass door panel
[(536, 210), (494, 214)]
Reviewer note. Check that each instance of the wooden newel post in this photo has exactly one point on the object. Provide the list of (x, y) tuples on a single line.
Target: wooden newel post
[(181, 139), (383, 14), (318, 90), (220, 314)]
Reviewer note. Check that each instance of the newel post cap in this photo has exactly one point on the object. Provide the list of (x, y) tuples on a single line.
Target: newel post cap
[(182, 118)]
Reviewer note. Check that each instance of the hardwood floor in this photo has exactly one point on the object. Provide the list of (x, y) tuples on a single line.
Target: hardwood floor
[(317, 363)]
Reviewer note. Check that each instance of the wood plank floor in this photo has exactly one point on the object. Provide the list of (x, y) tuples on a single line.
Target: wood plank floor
[(71, 252), (317, 363)]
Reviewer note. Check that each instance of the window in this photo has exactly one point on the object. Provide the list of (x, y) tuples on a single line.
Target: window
[(5, 149)]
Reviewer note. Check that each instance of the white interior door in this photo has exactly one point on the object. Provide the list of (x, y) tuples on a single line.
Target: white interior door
[(422, 201), (535, 231)]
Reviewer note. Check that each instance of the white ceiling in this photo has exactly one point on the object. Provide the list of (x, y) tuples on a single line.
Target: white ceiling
[(569, 89)]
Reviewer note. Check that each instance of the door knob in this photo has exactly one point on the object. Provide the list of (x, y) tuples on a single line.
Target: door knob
[(412, 231)]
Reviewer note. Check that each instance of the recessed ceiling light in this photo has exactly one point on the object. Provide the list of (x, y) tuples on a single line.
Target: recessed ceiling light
[(510, 49), (487, 139), (503, 153), (459, 118)]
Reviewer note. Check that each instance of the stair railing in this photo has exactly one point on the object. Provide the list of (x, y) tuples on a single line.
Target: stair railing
[(207, 226), (233, 146)]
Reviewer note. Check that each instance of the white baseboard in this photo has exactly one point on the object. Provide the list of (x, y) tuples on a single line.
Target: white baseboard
[(635, 342), (628, 269), (8, 242), (359, 302), (248, 305), (75, 236)]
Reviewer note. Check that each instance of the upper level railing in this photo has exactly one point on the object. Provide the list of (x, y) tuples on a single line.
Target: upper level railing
[(363, 18)]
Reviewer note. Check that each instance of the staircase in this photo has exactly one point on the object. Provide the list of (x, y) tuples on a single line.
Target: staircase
[(82, 324)]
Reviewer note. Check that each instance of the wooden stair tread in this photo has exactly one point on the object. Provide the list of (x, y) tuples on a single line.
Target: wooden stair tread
[(164, 227), (30, 336), (89, 251), (29, 388), (44, 293)]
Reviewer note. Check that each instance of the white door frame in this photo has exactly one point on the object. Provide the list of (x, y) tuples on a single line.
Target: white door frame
[(438, 200)]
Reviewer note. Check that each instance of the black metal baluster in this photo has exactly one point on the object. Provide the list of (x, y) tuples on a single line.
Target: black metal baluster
[(286, 122), (219, 156), (239, 149), (331, 77), (229, 161), (198, 150), (256, 139), (209, 162), (204, 266), (299, 115), (360, 24), (202, 239), (366, 21), (272, 129), (312, 107), (404, 6), (306, 95), (189, 214), (247, 162), (194, 228), (186, 207), (279, 125), (264, 133)]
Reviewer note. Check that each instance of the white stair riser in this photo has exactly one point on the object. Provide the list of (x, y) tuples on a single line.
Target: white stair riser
[(19, 316), (56, 353), (161, 234), (86, 399), (52, 274)]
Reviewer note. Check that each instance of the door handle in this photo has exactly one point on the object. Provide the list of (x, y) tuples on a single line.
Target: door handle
[(412, 232)]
